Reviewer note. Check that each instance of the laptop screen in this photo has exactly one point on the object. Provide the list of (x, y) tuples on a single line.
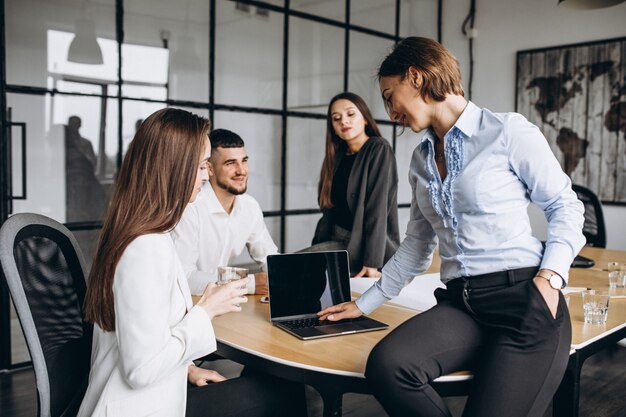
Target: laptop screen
[(305, 283)]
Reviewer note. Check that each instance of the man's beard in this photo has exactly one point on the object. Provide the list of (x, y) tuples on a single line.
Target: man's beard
[(230, 188)]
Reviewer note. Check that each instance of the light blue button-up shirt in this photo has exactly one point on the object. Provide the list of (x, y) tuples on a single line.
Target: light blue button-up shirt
[(497, 163)]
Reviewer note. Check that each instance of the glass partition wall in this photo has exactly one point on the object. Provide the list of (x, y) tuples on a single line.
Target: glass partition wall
[(79, 76)]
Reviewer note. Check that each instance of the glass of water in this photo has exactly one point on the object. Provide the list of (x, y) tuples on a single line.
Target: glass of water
[(617, 274), (595, 306), (226, 274)]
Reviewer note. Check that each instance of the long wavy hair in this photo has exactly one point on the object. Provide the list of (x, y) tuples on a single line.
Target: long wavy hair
[(151, 192), (334, 145)]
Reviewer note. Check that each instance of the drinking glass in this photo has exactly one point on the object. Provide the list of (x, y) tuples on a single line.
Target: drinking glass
[(226, 274), (595, 306)]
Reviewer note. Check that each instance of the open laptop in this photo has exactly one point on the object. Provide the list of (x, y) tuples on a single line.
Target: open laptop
[(301, 284)]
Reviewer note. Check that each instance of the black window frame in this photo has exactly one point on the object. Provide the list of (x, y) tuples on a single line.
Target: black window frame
[(211, 106)]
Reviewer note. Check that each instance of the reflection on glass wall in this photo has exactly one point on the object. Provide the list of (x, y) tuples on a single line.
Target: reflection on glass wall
[(77, 132), (332, 9), (316, 65), (300, 230), (404, 215), (261, 134), (135, 112), (167, 47), (418, 18), (87, 240), (405, 145), (66, 155), (85, 198), (377, 15), (72, 38), (366, 53), (306, 144), (273, 226), (247, 74)]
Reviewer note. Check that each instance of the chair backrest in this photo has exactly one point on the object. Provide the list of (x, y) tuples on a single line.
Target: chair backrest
[(44, 270), (594, 228)]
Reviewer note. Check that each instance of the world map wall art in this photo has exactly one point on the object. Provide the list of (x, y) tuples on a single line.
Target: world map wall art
[(576, 94)]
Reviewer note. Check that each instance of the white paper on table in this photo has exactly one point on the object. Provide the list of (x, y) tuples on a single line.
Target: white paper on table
[(418, 294), (570, 290)]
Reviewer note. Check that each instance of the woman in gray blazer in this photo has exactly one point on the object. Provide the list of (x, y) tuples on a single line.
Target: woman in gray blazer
[(358, 188)]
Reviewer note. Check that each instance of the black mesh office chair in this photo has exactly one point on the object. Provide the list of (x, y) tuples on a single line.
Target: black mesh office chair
[(44, 270), (593, 229)]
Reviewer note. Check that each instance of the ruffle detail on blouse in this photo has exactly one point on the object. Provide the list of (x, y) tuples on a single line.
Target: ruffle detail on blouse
[(441, 197)]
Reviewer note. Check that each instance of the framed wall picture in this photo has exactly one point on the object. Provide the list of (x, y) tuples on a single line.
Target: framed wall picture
[(576, 95)]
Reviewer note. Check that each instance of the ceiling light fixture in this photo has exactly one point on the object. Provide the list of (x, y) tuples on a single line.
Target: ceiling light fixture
[(589, 4), (84, 48)]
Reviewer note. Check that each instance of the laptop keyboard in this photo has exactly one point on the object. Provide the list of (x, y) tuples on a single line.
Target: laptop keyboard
[(315, 322)]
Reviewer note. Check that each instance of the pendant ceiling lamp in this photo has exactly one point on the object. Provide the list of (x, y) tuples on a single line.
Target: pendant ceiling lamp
[(84, 48)]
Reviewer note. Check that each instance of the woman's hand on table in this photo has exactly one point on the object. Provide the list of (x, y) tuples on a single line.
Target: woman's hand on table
[(366, 271), (341, 311), (199, 376), (218, 300)]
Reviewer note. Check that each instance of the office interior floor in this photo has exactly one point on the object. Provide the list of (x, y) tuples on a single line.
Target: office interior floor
[(603, 386)]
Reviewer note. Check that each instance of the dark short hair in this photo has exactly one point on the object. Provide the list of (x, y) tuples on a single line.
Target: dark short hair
[(223, 138)]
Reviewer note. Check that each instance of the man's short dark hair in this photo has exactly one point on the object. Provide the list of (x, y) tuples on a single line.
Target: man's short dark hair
[(223, 138)]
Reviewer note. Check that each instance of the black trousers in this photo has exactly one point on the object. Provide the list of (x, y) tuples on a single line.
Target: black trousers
[(250, 395), (500, 328)]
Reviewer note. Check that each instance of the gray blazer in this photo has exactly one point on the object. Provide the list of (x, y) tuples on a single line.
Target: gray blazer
[(373, 200)]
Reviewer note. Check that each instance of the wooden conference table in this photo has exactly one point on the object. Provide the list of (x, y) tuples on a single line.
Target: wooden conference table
[(336, 365)]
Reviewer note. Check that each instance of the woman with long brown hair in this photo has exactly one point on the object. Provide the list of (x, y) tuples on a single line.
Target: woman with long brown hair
[(358, 188), (146, 330)]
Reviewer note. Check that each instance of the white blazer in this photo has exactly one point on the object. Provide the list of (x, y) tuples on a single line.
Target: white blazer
[(140, 369)]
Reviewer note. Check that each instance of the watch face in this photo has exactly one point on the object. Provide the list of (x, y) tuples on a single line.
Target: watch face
[(556, 282)]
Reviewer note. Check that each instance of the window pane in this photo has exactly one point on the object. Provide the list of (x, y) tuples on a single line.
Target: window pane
[(299, 231), (245, 260), (405, 145), (374, 14), (335, 9), (387, 131), (39, 34), (418, 18), (181, 67), (306, 142), (134, 112), (261, 134), (273, 226), (200, 112), (316, 55), (145, 91), (404, 215), (366, 54), (249, 75), (78, 87), (69, 166), (88, 241)]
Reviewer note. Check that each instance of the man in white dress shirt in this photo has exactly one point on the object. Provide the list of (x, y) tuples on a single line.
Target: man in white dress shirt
[(223, 220)]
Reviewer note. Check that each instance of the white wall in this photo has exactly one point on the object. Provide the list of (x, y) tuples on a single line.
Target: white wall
[(505, 27)]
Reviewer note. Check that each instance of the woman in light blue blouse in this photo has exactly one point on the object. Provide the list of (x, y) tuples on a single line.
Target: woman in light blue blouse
[(502, 314)]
